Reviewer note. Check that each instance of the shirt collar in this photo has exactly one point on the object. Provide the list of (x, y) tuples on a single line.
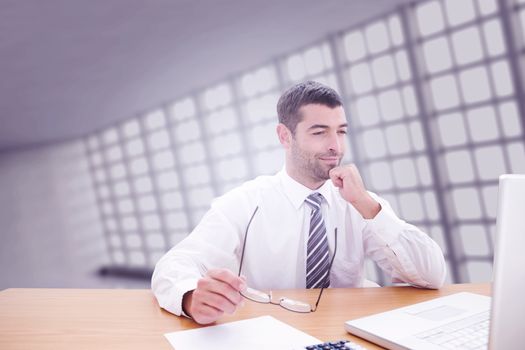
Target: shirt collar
[(297, 192)]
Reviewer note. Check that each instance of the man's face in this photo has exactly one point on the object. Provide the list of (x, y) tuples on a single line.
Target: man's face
[(319, 142)]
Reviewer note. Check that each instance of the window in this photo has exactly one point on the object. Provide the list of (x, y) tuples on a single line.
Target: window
[(430, 92)]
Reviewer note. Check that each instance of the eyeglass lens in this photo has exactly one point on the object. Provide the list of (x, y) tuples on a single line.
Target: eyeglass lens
[(265, 298)]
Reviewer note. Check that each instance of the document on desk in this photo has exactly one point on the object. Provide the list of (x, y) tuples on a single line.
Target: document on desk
[(263, 332)]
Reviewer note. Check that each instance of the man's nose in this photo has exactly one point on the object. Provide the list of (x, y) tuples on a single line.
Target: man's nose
[(335, 143)]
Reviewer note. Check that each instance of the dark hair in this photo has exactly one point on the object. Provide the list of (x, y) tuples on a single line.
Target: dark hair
[(309, 92)]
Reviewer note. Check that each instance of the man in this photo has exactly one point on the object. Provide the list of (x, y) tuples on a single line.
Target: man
[(284, 226)]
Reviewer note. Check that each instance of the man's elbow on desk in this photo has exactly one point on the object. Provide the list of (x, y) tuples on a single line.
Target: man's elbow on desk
[(431, 282), (438, 280), (429, 273), (435, 277), (438, 272)]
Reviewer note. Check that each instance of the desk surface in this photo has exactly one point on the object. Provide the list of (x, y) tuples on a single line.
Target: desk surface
[(132, 319)]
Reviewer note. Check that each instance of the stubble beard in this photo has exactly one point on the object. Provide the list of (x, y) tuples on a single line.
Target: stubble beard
[(311, 166)]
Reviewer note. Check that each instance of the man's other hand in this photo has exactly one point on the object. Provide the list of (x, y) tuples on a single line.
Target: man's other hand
[(216, 293)]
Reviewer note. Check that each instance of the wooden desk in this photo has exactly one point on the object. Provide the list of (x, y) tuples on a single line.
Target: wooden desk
[(132, 319)]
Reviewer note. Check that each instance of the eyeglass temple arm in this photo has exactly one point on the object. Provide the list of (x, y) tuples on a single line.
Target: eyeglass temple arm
[(329, 269), (245, 238)]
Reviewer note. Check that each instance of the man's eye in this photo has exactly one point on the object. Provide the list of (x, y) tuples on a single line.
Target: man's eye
[(318, 133), (344, 132)]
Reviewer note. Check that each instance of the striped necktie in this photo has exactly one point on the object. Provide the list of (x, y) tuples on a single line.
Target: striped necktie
[(318, 254)]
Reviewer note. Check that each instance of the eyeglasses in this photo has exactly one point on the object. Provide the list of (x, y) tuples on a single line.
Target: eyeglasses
[(266, 298)]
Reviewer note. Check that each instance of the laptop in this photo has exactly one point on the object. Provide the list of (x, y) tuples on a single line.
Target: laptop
[(467, 320)]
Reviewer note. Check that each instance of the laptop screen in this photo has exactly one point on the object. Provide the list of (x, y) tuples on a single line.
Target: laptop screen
[(508, 291)]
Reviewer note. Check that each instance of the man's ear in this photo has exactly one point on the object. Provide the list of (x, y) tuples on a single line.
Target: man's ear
[(285, 135)]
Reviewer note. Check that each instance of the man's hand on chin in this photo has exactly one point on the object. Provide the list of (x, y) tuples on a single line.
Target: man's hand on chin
[(352, 189)]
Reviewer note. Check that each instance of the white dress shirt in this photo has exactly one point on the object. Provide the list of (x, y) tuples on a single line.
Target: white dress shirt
[(275, 253)]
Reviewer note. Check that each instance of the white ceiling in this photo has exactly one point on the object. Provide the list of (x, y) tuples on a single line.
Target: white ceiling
[(69, 67)]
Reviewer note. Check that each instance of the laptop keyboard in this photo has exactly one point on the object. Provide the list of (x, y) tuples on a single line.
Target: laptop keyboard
[(469, 333)]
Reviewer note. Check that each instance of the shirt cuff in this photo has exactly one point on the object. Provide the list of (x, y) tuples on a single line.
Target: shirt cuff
[(178, 292)]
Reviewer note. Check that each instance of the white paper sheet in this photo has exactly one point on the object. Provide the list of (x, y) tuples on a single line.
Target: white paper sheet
[(263, 332)]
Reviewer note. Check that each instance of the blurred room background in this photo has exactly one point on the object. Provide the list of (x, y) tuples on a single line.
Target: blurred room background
[(121, 120)]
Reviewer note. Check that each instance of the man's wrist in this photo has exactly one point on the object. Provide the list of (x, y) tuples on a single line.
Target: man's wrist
[(368, 207), (186, 302)]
